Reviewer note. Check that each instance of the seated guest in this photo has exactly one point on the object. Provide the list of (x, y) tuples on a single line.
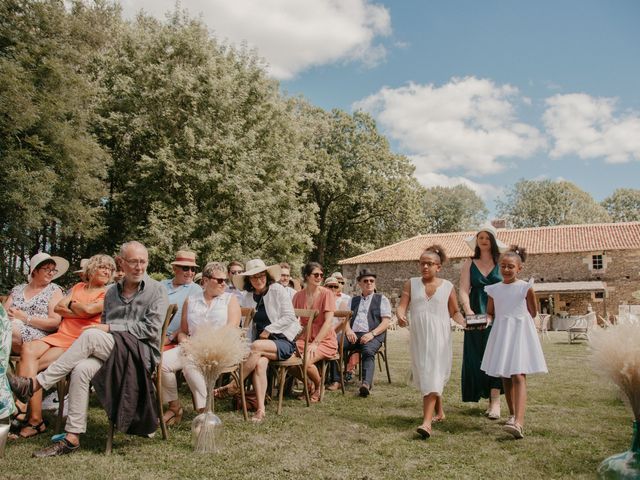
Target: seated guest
[(275, 323), (324, 343), (211, 306), (342, 302), (81, 307), (370, 316), (31, 306), (234, 268), (180, 287), (285, 279), (341, 297), (7, 407), (135, 307)]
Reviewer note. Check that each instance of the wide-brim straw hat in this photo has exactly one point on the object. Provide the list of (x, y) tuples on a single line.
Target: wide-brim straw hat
[(83, 265), (331, 281), (185, 258), (61, 264), (472, 240), (251, 268)]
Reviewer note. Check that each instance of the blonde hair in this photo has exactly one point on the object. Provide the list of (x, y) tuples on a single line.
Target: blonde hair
[(98, 261), (211, 267)]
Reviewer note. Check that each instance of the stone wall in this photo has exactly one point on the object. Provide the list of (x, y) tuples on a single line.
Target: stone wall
[(620, 273)]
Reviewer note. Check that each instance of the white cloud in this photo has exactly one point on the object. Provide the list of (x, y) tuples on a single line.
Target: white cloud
[(586, 126), (486, 191), (468, 123), (292, 35)]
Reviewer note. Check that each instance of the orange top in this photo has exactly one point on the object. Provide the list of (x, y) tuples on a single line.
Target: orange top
[(325, 302), (71, 327)]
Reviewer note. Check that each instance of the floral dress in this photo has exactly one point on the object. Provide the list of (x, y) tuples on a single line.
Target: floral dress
[(7, 406), (36, 306)]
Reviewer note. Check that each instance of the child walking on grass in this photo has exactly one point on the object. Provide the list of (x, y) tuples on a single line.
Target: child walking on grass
[(432, 302), (513, 348)]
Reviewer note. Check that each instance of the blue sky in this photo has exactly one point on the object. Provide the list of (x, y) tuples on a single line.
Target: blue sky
[(476, 92)]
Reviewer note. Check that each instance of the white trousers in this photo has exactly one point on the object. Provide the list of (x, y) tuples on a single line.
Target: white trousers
[(82, 360), (172, 361)]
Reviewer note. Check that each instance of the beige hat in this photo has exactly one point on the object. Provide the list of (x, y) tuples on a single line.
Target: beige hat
[(331, 281), (487, 227), (337, 275), (83, 265), (61, 264), (185, 258), (251, 268)]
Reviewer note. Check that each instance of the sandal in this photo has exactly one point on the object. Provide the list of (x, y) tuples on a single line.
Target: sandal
[(259, 416), (172, 417), (312, 391), (514, 429), (424, 431), (225, 392), (437, 419), (34, 430), (19, 420)]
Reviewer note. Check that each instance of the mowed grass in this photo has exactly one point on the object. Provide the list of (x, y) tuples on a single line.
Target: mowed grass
[(574, 421)]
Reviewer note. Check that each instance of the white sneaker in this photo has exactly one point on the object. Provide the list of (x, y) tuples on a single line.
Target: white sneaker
[(50, 402)]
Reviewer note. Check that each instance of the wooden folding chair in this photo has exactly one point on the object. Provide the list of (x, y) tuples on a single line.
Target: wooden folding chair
[(237, 372), (295, 360), (171, 311), (344, 316)]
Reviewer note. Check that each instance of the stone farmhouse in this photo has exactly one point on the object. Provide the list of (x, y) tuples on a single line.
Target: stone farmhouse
[(576, 267)]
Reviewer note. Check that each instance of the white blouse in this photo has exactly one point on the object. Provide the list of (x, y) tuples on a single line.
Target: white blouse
[(199, 313)]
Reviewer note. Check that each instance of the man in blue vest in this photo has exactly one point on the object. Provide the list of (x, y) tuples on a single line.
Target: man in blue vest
[(366, 332)]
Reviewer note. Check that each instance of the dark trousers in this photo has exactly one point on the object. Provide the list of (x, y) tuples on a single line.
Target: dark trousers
[(367, 356)]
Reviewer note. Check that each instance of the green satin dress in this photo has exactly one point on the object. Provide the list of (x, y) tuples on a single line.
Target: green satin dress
[(475, 383)]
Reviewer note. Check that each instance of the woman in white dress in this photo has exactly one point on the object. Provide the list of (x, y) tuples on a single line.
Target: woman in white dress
[(212, 306), (432, 303), (513, 349)]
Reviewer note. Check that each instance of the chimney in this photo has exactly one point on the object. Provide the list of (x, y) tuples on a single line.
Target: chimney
[(499, 223)]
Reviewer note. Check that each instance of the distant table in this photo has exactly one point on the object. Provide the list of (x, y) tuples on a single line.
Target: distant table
[(558, 323)]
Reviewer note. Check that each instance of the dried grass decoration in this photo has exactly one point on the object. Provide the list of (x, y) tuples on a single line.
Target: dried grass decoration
[(616, 355), (213, 350)]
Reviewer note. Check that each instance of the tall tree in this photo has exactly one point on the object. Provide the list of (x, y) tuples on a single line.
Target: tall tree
[(363, 195), (541, 203), (204, 147), (623, 205), (453, 209)]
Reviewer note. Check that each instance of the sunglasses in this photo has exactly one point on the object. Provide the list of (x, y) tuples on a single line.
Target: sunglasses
[(258, 276), (333, 287), (369, 280), (186, 269), (341, 283), (317, 274), (220, 281), (236, 272)]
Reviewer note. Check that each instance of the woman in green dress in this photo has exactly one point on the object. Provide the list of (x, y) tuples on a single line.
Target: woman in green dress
[(6, 397), (477, 272)]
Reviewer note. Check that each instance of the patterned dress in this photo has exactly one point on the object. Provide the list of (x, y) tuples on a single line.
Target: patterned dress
[(477, 384), (36, 306), (7, 406)]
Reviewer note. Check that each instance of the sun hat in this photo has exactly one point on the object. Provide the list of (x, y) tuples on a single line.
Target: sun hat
[(487, 227), (337, 275), (251, 268), (185, 258), (365, 272), (331, 281), (61, 264), (83, 264)]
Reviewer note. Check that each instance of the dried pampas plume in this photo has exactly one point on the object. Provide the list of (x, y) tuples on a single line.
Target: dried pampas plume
[(615, 354), (215, 349)]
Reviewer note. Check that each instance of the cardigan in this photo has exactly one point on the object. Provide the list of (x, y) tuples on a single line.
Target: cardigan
[(279, 309)]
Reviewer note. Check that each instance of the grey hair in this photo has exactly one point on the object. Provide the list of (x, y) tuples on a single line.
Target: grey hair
[(127, 245), (211, 267), (95, 262)]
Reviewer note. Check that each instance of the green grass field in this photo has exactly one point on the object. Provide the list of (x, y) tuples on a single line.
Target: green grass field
[(574, 421)]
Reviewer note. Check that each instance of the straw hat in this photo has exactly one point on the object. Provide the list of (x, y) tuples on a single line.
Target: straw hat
[(331, 281), (83, 264), (487, 227), (251, 268), (337, 276), (185, 258), (61, 264)]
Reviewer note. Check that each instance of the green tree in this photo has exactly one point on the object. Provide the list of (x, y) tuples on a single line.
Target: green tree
[(363, 195), (52, 167), (541, 203), (623, 205), (204, 147), (453, 209)]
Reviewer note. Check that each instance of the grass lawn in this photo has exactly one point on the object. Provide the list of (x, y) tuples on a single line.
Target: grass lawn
[(574, 421)]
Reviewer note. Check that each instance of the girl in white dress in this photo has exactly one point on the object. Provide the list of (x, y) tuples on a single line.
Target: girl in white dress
[(432, 303), (513, 349)]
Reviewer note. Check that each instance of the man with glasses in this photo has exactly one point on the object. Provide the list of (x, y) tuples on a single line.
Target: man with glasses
[(234, 268), (341, 297), (180, 287), (285, 279), (134, 310), (370, 316)]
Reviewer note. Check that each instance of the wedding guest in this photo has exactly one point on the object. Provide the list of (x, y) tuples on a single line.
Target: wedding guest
[(180, 287)]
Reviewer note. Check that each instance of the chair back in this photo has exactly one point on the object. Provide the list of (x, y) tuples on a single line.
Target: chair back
[(345, 317), (246, 321), (171, 312), (311, 315)]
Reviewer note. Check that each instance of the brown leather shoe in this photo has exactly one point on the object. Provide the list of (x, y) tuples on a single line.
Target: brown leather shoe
[(22, 387), (59, 448), (364, 389)]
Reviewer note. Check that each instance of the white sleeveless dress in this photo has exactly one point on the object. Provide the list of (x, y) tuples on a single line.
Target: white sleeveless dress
[(430, 342), (513, 346)]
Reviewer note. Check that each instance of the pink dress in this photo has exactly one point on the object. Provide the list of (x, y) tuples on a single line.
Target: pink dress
[(324, 302)]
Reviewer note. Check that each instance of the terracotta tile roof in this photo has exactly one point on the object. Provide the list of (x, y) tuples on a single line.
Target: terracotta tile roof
[(559, 239), (556, 287)]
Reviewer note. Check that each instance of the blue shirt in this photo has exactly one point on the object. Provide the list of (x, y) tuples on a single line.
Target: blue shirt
[(178, 295)]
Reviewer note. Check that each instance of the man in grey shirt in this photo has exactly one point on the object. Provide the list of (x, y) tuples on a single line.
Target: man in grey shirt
[(137, 304)]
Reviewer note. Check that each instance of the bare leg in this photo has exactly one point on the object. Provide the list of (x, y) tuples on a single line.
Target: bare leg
[(508, 393), (260, 386), (28, 367), (16, 337), (494, 402), (428, 407), (439, 416), (519, 396)]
